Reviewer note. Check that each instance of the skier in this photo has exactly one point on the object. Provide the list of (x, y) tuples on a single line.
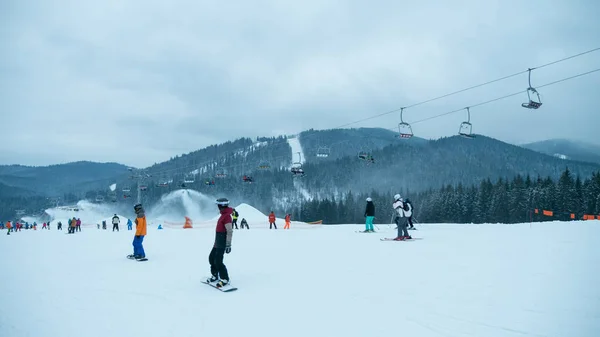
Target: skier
[(129, 224), (103, 224), (78, 225), (44, 225), (234, 217), (409, 214), (140, 233), (288, 219), (59, 226), (222, 245), (272, 220), (115, 222), (401, 220), (369, 215), (244, 223), (8, 226)]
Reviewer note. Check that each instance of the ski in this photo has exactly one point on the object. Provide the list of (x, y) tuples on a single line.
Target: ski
[(225, 289), (394, 239), (364, 232)]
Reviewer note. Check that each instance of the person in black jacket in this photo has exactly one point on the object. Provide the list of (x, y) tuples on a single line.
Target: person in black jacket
[(370, 215)]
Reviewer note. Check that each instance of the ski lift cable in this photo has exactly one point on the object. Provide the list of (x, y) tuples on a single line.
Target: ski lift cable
[(461, 109), (505, 96), (469, 88), (178, 169)]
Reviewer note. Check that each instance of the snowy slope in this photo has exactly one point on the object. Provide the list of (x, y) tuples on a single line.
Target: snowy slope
[(294, 143), (459, 280)]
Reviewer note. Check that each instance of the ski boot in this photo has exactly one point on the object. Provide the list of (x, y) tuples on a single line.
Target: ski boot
[(222, 283)]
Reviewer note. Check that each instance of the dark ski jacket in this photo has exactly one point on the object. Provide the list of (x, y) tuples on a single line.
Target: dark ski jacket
[(370, 211), (224, 230)]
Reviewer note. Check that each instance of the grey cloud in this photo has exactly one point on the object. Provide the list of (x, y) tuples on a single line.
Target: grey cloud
[(138, 82)]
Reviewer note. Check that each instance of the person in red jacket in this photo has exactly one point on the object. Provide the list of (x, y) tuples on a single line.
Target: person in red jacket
[(288, 219), (223, 236), (272, 220)]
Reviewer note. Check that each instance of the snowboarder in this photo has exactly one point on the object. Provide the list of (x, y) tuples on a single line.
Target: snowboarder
[(288, 219), (222, 245), (272, 220), (409, 214), (140, 233), (244, 223), (103, 224), (8, 227), (401, 219), (129, 224), (369, 215), (115, 222), (59, 226), (234, 217)]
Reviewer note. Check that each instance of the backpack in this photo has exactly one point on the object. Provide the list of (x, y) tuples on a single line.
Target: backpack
[(405, 207)]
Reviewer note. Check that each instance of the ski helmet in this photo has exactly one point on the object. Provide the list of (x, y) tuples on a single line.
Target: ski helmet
[(223, 202), (369, 199), (397, 197)]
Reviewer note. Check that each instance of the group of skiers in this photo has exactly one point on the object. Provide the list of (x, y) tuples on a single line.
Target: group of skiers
[(403, 214), (16, 226), (273, 218)]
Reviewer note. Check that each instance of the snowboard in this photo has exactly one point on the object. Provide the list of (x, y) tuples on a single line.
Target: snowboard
[(139, 260), (392, 239), (224, 289)]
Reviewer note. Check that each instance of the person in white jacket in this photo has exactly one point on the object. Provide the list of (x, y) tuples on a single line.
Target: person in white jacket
[(401, 218)]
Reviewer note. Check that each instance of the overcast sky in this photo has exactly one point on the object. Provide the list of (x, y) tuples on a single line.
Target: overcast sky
[(138, 82)]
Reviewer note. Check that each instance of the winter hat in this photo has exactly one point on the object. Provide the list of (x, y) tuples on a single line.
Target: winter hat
[(397, 197), (369, 199)]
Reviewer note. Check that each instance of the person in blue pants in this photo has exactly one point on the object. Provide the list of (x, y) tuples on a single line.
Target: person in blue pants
[(129, 224), (370, 215)]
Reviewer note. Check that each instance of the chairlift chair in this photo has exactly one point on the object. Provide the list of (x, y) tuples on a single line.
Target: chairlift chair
[(126, 189), (366, 156), (263, 165), (466, 128), (532, 104), (221, 173), (143, 187), (247, 179), (99, 198), (209, 182), (189, 179), (404, 129), (323, 152)]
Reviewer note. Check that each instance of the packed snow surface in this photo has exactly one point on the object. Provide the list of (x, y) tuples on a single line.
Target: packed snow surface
[(296, 147), (457, 280)]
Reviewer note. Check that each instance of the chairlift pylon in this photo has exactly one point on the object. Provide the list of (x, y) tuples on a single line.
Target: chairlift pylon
[(466, 128), (404, 129), (532, 104)]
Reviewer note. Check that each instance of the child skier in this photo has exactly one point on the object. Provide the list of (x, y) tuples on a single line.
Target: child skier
[(409, 214), (401, 220), (288, 219), (369, 215), (140, 233), (222, 245)]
